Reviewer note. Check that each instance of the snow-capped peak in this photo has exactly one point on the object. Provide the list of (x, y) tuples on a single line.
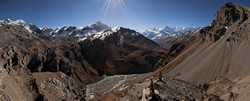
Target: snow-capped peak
[(110, 31), (18, 22), (97, 24), (47, 29), (7, 21), (115, 29), (13, 23)]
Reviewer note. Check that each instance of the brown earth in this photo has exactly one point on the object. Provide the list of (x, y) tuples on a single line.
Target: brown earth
[(229, 90)]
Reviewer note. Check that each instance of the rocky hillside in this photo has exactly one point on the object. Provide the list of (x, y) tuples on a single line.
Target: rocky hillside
[(176, 46), (221, 49), (24, 53)]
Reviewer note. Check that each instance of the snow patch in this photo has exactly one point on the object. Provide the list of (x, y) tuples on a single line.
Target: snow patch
[(103, 34), (82, 39), (28, 29), (228, 46), (121, 40), (115, 29)]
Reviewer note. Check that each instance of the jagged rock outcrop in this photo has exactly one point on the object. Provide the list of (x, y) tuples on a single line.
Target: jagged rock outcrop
[(225, 17), (16, 81), (58, 86)]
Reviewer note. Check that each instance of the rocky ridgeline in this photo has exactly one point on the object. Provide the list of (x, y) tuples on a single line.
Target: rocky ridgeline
[(225, 17)]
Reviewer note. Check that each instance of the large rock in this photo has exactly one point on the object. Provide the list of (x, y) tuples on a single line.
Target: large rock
[(58, 86), (16, 81)]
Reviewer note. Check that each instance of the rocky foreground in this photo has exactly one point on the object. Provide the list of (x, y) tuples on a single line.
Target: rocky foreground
[(138, 88)]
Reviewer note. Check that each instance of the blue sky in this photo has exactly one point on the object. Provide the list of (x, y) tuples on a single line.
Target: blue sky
[(138, 14)]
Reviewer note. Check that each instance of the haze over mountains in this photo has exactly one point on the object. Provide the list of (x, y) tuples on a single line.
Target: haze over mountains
[(98, 62)]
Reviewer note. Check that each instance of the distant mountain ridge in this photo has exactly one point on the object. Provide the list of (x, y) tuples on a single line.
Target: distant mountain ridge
[(156, 33), (29, 27)]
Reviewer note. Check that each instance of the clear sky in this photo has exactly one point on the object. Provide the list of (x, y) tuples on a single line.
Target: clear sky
[(135, 14)]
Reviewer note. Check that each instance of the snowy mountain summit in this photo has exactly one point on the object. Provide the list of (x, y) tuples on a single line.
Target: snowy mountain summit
[(21, 23), (13, 23), (79, 31), (158, 33), (47, 29)]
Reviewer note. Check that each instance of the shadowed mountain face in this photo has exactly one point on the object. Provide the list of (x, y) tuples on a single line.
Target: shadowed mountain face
[(121, 51)]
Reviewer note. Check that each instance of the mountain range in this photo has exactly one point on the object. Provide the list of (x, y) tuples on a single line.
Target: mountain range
[(98, 62), (157, 33), (79, 31)]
